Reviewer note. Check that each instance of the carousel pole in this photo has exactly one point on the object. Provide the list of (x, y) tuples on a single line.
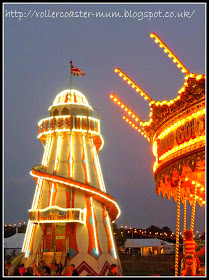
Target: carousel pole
[(177, 227), (185, 213), (193, 208)]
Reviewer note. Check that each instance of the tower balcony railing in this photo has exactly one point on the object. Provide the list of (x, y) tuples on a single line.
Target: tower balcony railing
[(68, 123)]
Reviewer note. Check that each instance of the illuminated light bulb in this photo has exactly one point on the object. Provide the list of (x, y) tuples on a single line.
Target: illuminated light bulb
[(120, 74), (193, 182), (130, 122), (129, 112), (124, 78), (183, 71), (137, 89), (156, 41), (191, 195), (111, 96), (127, 120), (170, 55), (151, 35), (174, 60), (202, 189), (185, 84), (191, 75), (133, 116), (115, 99), (200, 198), (136, 127), (129, 82), (122, 106), (165, 50), (136, 119), (196, 197), (145, 97), (133, 86), (124, 117), (160, 45), (139, 130), (116, 70), (142, 93), (126, 109), (133, 124), (178, 65), (118, 102), (203, 202)]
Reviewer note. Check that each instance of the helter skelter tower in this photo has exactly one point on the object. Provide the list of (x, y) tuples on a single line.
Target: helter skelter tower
[(71, 213)]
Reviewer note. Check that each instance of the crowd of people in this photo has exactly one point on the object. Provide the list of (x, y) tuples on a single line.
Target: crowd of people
[(54, 269)]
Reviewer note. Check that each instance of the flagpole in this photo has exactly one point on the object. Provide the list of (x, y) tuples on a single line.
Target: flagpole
[(70, 75)]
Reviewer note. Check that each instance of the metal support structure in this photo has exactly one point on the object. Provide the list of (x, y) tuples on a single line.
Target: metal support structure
[(185, 215), (177, 227), (193, 208)]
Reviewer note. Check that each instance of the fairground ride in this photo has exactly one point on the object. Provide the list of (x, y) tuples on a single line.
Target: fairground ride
[(176, 131)]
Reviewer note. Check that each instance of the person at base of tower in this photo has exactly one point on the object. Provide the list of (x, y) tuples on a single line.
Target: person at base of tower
[(8, 268), (22, 269), (75, 272), (113, 270), (191, 262), (67, 271)]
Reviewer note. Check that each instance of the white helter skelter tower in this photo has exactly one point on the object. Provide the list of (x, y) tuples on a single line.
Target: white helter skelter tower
[(71, 213)]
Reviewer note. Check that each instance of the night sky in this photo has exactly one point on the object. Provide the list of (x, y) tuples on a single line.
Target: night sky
[(37, 51)]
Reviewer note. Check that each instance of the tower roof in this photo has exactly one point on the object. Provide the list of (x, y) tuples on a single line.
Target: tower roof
[(70, 97)]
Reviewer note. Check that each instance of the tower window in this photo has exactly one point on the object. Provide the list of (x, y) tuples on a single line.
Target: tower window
[(65, 111), (56, 112)]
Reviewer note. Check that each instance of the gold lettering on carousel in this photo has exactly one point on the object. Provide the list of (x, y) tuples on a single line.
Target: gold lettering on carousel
[(185, 132), (180, 134), (192, 129), (166, 143)]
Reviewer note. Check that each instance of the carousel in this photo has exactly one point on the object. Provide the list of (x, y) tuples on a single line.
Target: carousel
[(176, 131)]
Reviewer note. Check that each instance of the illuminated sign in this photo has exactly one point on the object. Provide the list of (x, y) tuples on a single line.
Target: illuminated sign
[(184, 133), (58, 214)]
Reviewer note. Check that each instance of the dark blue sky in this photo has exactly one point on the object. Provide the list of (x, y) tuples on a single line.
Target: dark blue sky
[(37, 52)]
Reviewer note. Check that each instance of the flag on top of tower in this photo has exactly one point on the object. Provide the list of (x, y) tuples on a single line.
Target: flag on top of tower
[(76, 71)]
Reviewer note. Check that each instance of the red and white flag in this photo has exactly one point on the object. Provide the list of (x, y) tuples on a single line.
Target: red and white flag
[(76, 71)]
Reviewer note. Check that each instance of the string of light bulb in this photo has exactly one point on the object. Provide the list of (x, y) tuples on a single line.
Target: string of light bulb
[(135, 127), (170, 53), (125, 108), (134, 85)]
